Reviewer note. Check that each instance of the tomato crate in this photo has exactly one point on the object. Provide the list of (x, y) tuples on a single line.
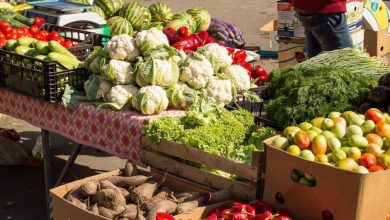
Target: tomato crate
[(183, 161), (39, 78)]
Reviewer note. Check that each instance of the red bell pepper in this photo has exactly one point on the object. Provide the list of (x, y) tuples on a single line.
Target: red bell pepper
[(238, 216), (283, 212), (213, 216), (247, 66), (263, 216), (226, 213), (239, 57), (259, 74), (282, 217), (243, 208), (164, 216), (183, 32), (190, 43), (230, 50), (210, 40), (203, 37), (261, 206), (172, 35)]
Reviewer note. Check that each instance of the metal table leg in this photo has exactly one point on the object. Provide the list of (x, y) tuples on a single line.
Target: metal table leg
[(47, 168), (72, 157)]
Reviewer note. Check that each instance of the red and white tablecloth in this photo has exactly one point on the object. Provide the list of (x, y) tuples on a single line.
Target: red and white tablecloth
[(118, 133)]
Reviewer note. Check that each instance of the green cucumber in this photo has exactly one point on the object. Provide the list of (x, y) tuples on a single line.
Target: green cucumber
[(10, 45), (57, 47), (41, 57), (42, 47), (22, 50), (26, 41), (64, 60)]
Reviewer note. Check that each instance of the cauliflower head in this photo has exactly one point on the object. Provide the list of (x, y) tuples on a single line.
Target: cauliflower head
[(157, 72), (182, 96), (197, 71), (217, 55), (96, 87), (118, 72), (239, 76), (219, 91), (150, 100), (121, 94), (151, 38), (122, 47)]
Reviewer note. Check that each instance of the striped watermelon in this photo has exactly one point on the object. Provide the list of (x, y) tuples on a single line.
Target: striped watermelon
[(161, 12), (183, 19), (110, 7), (137, 14), (98, 11), (119, 25)]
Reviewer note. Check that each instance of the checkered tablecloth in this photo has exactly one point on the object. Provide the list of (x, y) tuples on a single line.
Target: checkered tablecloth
[(118, 133)]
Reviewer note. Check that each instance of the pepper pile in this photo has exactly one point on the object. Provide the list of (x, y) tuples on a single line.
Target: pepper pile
[(257, 210), (182, 40), (10, 134)]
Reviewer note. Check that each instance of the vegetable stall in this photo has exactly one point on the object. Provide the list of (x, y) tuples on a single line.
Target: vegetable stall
[(177, 92)]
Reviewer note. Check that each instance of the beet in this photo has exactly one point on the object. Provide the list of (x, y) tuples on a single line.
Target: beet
[(379, 94)]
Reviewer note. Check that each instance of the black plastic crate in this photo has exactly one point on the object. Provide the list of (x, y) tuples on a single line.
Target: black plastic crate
[(255, 108), (39, 78)]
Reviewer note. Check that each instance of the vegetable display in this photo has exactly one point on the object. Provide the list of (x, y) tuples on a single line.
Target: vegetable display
[(161, 12), (119, 25), (347, 140), (137, 14)]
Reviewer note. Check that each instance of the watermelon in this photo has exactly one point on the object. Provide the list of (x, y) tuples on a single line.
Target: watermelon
[(161, 12), (137, 14), (98, 11), (202, 18), (110, 7), (183, 19), (119, 25)]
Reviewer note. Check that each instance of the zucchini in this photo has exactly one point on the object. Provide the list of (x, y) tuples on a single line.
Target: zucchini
[(10, 45), (22, 19), (26, 41), (22, 50), (58, 48), (64, 60), (42, 47)]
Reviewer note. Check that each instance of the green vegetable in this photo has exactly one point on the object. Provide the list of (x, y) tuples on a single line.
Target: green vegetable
[(63, 60), (161, 12), (10, 45), (137, 14), (119, 25), (95, 60), (22, 50), (42, 47), (260, 135), (182, 96), (110, 7), (156, 72), (202, 18), (183, 19), (23, 19), (54, 46)]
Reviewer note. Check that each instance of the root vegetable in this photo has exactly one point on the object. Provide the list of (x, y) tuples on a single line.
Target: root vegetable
[(165, 206), (128, 181), (104, 184), (124, 219), (109, 198), (118, 208), (162, 195), (143, 193), (89, 188), (94, 209), (216, 197), (108, 213), (75, 197), (124, 192), (187, 196), (131, 169), (130, 212), (190, 205)]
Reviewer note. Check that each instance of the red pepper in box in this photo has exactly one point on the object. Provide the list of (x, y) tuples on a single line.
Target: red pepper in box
[(263, 216), (243, 208), (261, 206)]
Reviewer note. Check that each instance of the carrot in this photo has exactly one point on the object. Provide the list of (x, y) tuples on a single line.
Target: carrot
[(89, 188), (165, 206), (128, 181), (190, 205), (131, 169), (143, 193)]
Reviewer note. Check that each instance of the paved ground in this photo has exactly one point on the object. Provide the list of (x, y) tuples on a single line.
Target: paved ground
[(22, 189)]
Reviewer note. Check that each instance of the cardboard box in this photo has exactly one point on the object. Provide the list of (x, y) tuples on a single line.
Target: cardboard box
[(347, 195), (268, 42), (358, 39), (355, 14), (375, 15), (64, 210), (377, 43)]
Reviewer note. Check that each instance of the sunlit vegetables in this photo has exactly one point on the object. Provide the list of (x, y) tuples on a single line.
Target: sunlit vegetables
[(217, 55), (220, 91), (183, 19), (150, 100), (151, 38), (157, 72), (96, 88), (161, 12), (182, 96), (201, 17), (137, 14), (119, 25), (122, 47), (197, 71), (121, 94), (118, 72)]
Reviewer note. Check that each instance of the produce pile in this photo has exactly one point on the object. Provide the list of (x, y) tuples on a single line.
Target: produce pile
[(144, 72), (135, 196), (347, 140), (332, 81)]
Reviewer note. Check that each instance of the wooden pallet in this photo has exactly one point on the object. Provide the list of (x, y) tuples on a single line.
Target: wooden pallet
[(160, 156)]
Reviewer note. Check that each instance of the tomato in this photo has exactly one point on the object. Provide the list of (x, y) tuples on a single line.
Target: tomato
[(3, 23), (39, 36), (319, 145), (75, 44), (375, 168), (28, 34), (2, 35), (374, 114), (11, 36), (45, 33), (24, 29), (6, 29), (68, 43), (2, 42), (39, 21), (33, 29), (382, 129), (302, 140), (20, 32), (368, 160), (61, 40), (53, 35)]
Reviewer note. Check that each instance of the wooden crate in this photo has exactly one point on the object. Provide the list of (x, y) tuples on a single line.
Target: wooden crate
[(160, 156)]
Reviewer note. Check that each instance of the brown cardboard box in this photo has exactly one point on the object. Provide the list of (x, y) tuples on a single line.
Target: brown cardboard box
[(377, 43), (348, 195), (64, 210)]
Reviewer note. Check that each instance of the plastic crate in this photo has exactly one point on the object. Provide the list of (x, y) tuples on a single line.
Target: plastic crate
[(39, 78), (253, 107)]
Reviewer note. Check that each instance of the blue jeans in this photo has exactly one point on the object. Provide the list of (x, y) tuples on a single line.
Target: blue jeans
[(325, 32)]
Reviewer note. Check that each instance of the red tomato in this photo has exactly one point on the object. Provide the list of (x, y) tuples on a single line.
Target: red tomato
[(2, 42), (11, 36), (374, 114), (28, 34), (61, 40), (68, 43), (33, 29), (45, 33), (24, 29), (53, 35), (39, 21), (2, 35), (375, 168), (75, 44), (368, 160), (3, 23), (6, 28), (20, 32), (39, 36)]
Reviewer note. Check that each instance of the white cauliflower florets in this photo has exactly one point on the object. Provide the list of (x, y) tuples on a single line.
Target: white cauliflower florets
[(197, 72), (218, 54), (150, 100), (219, 91), (121, 94), (96, 87), (122, 47), (151, 38), (119, 72), (239, 76)]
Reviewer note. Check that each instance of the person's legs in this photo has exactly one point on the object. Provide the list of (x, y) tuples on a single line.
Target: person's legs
[(313, 47)]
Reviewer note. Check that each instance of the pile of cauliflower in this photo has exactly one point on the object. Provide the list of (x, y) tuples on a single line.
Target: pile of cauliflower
[(143, 72)]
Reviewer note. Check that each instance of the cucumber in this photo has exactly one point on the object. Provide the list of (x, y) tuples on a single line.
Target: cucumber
[(64, 60), (54, 46), (26, 41), (22, 50), (10, 45), (42, 47), (41, 57)]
